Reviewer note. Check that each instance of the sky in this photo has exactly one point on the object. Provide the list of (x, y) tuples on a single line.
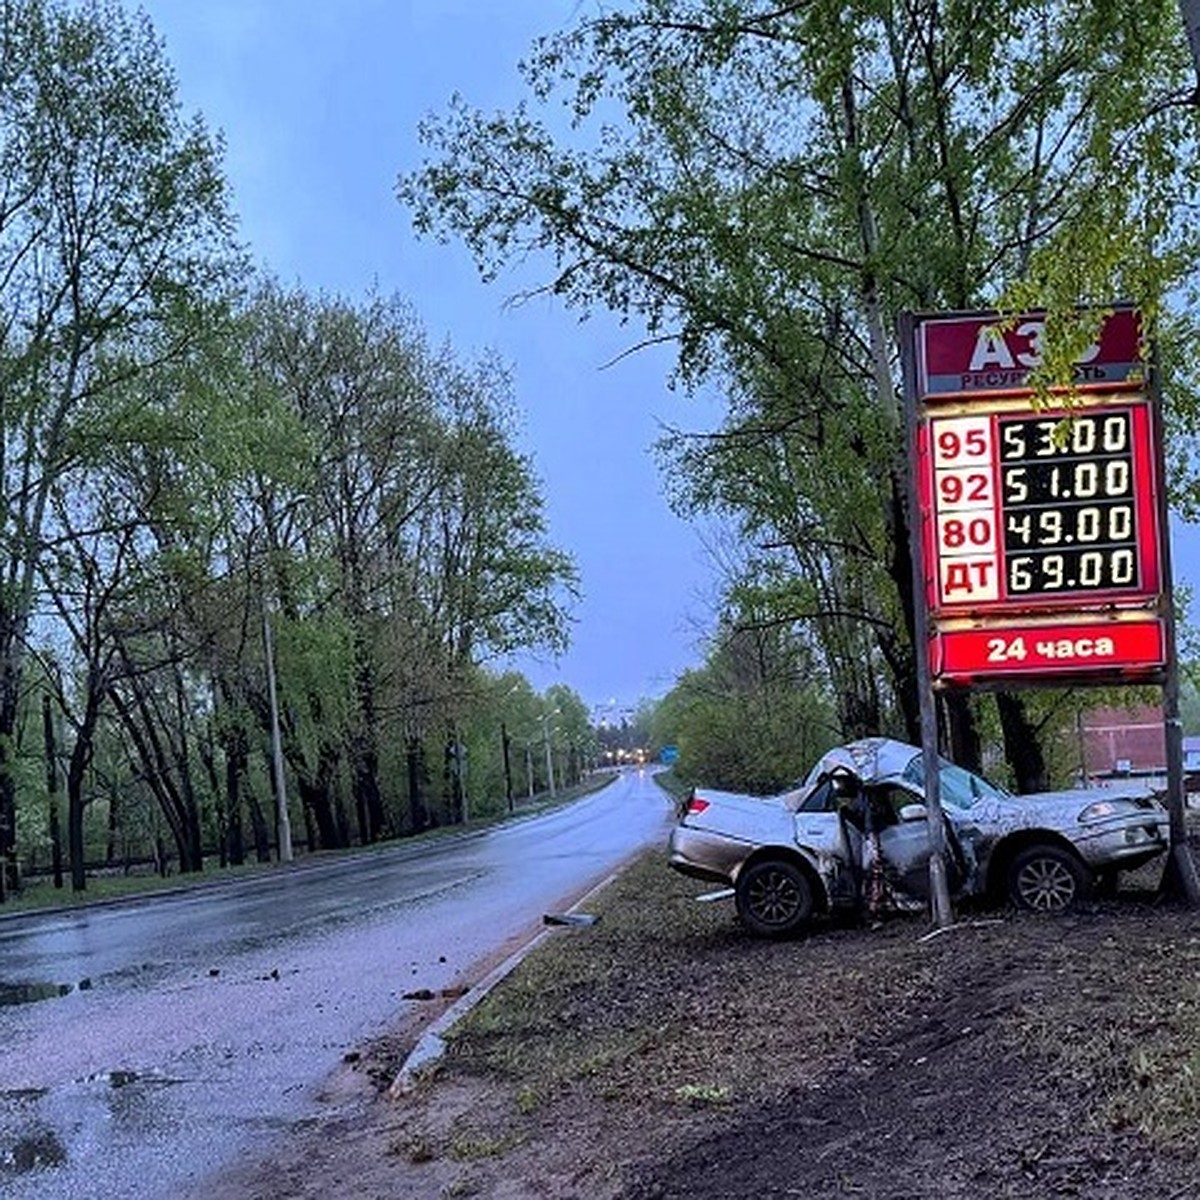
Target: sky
[(318, 104)]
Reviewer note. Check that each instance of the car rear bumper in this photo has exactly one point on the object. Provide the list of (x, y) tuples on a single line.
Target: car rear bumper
[(713, 857)]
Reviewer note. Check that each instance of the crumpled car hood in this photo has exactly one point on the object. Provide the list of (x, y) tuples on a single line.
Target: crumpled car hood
[(876, 759)]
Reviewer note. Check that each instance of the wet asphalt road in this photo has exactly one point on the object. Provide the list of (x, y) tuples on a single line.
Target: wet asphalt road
[(210, 1019)]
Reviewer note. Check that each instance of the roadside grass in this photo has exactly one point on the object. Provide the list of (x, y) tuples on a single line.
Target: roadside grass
[(665, 1014), (113, 885), (664, 1002)]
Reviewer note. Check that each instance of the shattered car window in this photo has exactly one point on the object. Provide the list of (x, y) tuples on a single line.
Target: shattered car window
[(820, 799), (957, 787)]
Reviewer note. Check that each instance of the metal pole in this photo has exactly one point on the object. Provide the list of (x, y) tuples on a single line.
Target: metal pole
[(1182, 874), (939, 892), (284, 821), (549, 756)]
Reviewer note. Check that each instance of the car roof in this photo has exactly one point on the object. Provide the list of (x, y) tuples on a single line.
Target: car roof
[(871, 759)]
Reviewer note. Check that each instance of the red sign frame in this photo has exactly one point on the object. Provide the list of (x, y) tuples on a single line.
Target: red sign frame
[(1042, 531), (1127, 648), (992, 569)]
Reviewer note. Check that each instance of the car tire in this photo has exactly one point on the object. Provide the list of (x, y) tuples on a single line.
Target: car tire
[(1046, 878), (774, 898)]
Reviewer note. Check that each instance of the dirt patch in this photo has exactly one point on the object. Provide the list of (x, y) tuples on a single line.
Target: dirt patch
[(663, 1053)]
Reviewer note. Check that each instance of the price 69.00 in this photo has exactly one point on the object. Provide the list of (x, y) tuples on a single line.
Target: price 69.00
[(1072, 570)]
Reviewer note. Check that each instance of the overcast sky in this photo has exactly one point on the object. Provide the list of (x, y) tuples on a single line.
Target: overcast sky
[(319, 103)]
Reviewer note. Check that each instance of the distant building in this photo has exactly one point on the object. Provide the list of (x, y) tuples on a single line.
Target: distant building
[(1125, 741)]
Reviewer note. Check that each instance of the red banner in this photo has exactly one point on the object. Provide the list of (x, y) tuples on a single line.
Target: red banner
[(976, 354), (1132, 648)]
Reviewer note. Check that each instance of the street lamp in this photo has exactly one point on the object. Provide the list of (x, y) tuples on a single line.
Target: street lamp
[(506, 747), (284, 825)]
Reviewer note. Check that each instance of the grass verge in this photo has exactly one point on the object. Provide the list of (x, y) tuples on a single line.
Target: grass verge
[(664, 1025)]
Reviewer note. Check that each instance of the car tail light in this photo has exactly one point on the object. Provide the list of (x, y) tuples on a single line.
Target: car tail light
[(696, 805)]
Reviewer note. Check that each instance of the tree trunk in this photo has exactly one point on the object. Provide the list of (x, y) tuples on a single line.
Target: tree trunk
[(414, 758), (1022, 746), (962, 731), (81, 757), (208, 756), (157, 772), (51, 749), (237, 757), (368, 798), (258, 823), (183, 770), (10, 683), (900, 568), (1189, 10), (315, 794)]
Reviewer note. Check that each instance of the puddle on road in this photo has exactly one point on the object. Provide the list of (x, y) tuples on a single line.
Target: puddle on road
[(39, 1128), (29, 993), (38, 1148)]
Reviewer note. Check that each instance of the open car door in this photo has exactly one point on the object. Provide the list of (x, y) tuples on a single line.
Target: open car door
[(903, 828)]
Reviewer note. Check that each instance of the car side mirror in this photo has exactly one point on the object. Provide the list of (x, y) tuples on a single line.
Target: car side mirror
[(913, 812)]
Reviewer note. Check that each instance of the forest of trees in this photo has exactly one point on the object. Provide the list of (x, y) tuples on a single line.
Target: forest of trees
[(199, 463)]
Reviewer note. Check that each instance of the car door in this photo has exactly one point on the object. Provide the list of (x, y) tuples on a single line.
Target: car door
[(905, 844), (832, 844)]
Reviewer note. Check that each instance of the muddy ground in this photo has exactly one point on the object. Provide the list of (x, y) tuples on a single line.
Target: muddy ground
[(663, 1053)]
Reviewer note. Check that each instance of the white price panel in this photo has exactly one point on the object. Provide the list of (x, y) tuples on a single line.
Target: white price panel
[(967, 546)]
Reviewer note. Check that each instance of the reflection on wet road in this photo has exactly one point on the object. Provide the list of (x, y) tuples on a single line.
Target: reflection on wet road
[(142, 1047)]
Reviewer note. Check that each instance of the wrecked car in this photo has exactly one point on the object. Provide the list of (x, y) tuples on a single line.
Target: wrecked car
[(854, 836)]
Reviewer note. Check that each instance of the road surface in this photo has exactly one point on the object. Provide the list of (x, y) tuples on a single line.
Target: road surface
[(208, 1020)]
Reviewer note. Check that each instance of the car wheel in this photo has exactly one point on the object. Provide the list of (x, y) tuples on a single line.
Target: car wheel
[(774, 898), (1046, 879)]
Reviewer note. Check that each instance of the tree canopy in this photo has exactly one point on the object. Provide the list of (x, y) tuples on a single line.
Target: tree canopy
[(200, 466), (771, 186)]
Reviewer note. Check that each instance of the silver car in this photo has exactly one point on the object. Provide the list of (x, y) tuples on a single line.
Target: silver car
[(854, 836)]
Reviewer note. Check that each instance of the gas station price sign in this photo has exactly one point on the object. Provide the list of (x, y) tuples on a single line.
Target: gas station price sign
[(1042, 510), (1042, 521)]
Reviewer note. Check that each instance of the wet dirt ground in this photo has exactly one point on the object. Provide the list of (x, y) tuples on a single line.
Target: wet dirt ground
[(662, 1053)]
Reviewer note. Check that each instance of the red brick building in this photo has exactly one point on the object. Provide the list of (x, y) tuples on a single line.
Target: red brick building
[(1123, 740)]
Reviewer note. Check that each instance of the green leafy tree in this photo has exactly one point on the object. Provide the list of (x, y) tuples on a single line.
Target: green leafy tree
[(783, 183), (408, 549), (752, 718), (113, 222)]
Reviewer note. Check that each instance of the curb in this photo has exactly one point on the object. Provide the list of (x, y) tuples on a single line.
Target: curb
[(432, 1045)]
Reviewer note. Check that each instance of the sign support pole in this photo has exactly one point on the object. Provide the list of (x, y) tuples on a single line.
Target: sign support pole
[(1049, 547), (939, 890), (1182, 876)]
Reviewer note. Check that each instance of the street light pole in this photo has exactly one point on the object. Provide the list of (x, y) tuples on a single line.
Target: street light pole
[(284, 821), (549, 756)]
